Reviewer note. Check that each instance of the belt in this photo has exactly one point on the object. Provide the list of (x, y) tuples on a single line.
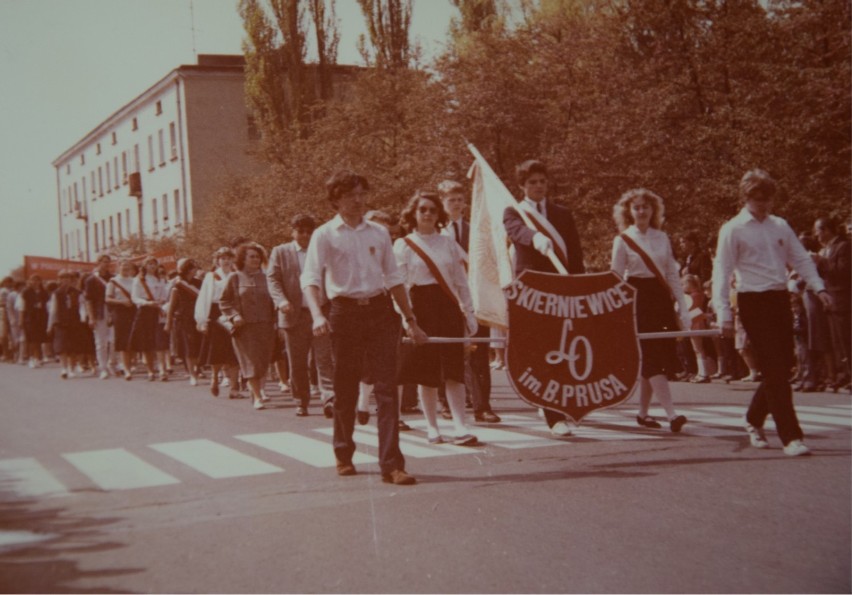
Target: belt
[(347, 301)]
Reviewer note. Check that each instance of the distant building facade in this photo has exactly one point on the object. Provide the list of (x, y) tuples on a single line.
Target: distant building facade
[(158, 161)]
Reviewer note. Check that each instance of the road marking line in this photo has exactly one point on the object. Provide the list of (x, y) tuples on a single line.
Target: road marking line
[(409, 449), (117, 469), (213, 459), (316, 453), (26, 477), (504, 438), (806, 419)]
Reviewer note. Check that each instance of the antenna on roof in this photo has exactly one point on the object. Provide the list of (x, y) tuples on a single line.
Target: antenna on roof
[(192, 22)]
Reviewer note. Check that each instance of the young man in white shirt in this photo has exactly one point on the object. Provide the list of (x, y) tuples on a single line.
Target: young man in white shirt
[(757, 247), (353, 259)]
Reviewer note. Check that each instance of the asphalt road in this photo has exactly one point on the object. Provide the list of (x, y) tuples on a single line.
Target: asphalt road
[(114, 486)]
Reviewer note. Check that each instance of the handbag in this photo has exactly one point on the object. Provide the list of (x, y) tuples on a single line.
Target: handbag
[(227, 324)]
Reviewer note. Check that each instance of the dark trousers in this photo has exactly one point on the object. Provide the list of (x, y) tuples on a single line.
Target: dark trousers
[(358, 334), (478, 374), (768, 321)]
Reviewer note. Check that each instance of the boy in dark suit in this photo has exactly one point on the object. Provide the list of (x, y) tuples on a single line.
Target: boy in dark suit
[(532, 246)]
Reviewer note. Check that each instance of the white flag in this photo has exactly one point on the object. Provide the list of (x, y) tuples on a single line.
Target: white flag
[(490, 267)]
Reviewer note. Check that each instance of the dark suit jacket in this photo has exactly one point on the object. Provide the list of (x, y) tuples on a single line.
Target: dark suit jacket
[(527, 257), (836, 271), (464, 240)]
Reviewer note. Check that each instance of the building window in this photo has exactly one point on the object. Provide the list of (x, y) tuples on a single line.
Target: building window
[(178, 211), (98, 149), (115, 170), (166, 212), (114, 138), (154, 213), (173, 140), (134, 125), (111, 233), (159, 108), (108, 178), (94, 186), (67, 168), (100, 181), (118, 224), (150, 152), (124, 167), (127, 219), (83, 183), (76, 196), (82, 159), (136, 157), (103, 233), (97, 243), (162, 147), (67, 192)]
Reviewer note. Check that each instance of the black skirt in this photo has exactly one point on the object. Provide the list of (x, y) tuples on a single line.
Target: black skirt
[(438, 316), (187, 338), (68, 338), (146, 331), (216, 346), (122, 324), (655, 313)]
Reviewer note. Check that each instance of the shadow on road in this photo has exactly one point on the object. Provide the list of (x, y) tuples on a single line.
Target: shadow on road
[(47, 564)]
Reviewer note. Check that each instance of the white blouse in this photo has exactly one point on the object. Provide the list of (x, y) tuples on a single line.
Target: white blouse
[(627, 263), (209, 294), (449, 257), (114, 293), (159, 291)]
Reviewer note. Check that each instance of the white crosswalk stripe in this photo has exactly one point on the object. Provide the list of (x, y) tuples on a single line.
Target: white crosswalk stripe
[(118, 469), (317, 453), (27, 478), (215, 460)]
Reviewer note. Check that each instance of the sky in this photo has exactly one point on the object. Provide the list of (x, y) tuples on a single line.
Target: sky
[(66, 65)]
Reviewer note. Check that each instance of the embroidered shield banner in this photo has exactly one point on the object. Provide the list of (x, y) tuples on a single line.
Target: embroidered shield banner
[(572, 343)]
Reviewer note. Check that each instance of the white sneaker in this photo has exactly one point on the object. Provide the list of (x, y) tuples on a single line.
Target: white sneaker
[(284, 388), (315, 389), (259, 405), (756, 436), (796, 448), (560, 428), (263, 396), (32, 364), (193, 380), (104, 375), (225, 382)]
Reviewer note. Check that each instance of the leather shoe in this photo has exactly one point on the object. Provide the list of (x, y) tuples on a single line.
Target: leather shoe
[(345, 469), (677, 423), (487, 417), (648, 422), (363, 417), (328, 410), (398, 477), (404, 427), (301, 411)]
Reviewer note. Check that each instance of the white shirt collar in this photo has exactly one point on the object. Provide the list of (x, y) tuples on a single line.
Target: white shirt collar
[(338, 222)]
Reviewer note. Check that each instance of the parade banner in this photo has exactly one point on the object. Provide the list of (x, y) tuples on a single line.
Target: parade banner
[(572, 345), (48, 268)]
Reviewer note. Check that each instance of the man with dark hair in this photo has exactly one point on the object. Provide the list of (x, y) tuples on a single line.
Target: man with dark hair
[(555, 233), (353, 260), (295, 325), (757, 247), (477, 368), (96, 312)]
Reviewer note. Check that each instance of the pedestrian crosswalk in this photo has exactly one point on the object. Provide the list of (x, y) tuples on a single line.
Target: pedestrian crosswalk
[(276, 452)]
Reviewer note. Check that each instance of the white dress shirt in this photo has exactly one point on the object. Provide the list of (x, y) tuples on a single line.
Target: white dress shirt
[(159, 291), (114, 293), (540, 206), (758, 253), (627, 263), (355, 262)]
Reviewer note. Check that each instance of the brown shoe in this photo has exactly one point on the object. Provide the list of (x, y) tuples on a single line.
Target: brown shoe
[(344, 469), (399, 477), (487, 417)]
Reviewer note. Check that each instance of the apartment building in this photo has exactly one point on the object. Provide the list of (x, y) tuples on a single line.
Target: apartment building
[(154, 164)]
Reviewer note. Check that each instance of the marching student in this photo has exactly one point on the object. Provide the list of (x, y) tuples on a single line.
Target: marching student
[(247, 304), (642, 254), (432, 266), (149, 293), (31, 305), (757, 247), (94, 288), (557, 233), (119, 300), (217, 349), (180, 317), (353, 259), (477, 366), (295, 324), (65, 323)]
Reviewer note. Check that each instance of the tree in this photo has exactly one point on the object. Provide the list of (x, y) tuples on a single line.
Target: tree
[(388, 24)]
